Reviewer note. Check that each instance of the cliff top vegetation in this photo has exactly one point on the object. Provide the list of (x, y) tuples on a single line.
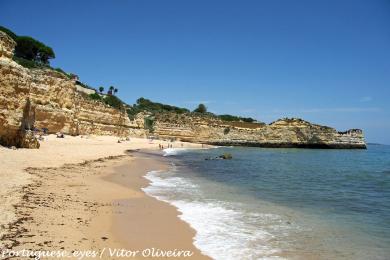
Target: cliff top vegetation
[(30, 49), (31, 53)]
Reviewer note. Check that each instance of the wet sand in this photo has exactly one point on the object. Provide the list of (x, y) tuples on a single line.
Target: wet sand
[(98, 206), (145, 221)]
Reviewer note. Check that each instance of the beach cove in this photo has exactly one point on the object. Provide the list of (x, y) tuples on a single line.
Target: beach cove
[(84, 195), (226, 130)]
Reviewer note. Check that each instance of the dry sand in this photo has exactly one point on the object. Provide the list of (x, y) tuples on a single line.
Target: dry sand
[(52, 199)]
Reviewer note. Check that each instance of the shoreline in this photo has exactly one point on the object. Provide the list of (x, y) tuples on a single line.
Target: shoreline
[(160, 224), (70, 205)]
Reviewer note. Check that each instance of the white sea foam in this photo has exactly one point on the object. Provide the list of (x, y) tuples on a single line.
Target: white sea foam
[(223, 230), (174, 151)]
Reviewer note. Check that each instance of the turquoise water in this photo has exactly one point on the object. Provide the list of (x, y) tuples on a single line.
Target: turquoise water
[(282, 203)]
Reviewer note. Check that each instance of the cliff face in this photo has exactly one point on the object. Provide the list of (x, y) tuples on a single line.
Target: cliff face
[(57, 105), (282, 133)]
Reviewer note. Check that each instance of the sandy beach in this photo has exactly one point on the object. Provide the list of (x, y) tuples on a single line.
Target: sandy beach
[(226, 130), (84, 194)]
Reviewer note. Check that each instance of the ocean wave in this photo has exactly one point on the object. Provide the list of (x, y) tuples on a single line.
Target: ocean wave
[(174, 151), (223, 230)]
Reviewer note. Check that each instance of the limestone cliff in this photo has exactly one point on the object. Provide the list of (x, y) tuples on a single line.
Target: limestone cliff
[(282, 133), (60, 106)]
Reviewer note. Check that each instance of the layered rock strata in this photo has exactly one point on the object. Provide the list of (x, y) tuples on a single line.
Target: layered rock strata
[(283, 133), (61, 107)]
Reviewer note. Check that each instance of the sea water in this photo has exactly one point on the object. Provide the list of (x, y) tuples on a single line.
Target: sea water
[(282, 203)]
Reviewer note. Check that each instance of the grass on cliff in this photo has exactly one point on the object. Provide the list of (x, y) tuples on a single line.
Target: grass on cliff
[(231, 118), (148, 105), (111, 100), (144, 104), (29, 64), (84, 85)]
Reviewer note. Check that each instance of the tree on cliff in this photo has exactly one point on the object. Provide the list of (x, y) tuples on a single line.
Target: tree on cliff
[(110, 90), (115, 90), (101, 89), (201, 109), (30, 49)]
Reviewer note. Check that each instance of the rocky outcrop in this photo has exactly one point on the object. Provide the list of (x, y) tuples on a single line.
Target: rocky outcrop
[(284, 133), (60, 107), (27, 139), (7, 46)]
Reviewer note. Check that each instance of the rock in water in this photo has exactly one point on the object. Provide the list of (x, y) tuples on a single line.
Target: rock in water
[(226, 156)]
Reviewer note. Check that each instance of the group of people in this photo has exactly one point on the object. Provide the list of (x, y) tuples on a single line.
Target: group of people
[(161, 146), (40, 133)]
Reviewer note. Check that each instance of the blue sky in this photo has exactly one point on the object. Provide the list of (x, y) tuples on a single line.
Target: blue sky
[(325, 61)]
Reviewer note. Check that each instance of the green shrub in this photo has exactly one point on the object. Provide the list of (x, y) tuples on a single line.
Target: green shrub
[(28, 63), (69, 75), (60, 70), (110, 100), (95, 96), (113, 101), (231, 118), (84, 85), (149, 124), (132, 112), (201, 109), (247, 119), (146, 104), (228, 118)]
